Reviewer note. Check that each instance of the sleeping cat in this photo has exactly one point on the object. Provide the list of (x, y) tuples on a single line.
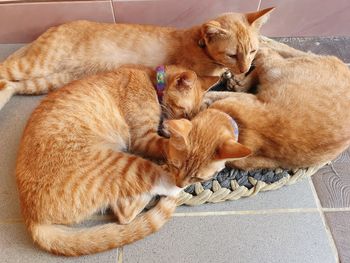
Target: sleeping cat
[(76, 158), (74, 50), (300, 115)]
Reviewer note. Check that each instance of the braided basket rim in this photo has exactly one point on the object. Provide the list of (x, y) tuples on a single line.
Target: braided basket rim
[(221, 194)]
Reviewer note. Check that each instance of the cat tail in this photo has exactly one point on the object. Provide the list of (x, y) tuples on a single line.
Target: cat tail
[(69, 241), (35, 86)]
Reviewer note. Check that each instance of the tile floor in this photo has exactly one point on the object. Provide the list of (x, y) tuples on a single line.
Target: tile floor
[(304, 223)]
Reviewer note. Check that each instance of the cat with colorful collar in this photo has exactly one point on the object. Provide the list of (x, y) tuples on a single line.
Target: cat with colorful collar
[(77, 49), (77, 156)]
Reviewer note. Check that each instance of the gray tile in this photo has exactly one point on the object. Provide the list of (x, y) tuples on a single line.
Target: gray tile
[(298, 195), (332, 182), (344, 157), (17, 246), (13, 118), (339, 224), (9, 206), (241, 239)]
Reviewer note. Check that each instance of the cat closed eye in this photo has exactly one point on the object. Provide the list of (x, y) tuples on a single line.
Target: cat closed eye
[(253, 51), (233, 56)]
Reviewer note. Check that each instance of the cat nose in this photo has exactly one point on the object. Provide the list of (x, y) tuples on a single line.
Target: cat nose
[(243, 69), (180, 182)]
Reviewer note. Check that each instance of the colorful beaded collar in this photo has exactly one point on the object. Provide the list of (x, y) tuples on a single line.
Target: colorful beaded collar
[(160, 81)]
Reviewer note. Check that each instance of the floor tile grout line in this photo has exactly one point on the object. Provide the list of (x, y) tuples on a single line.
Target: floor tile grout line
[(259, 4), (323, 218), (219, 213), (112, 7), (209, 213), (120, 255), (339, 209), (247, 212)]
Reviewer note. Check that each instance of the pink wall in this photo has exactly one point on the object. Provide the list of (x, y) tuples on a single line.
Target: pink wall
[(22, 21)]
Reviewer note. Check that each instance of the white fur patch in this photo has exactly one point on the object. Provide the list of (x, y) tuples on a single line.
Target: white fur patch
[(153, 53), (164, 187), (5, 95)]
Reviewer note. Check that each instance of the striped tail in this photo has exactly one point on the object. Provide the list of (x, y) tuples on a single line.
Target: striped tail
[(68, 241)]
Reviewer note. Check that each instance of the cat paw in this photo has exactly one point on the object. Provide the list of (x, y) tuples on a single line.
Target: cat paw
[(242, 82), (206, 103), (6, 92), (170, 202), (163, 130), (236, 83)]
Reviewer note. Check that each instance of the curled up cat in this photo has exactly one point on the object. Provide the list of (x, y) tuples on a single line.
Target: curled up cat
[(299, 116), (80, 48), (76, 157)]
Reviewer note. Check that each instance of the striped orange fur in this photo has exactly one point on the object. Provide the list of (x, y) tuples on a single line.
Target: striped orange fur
[(74, 50), (300, 115), (77, 157)]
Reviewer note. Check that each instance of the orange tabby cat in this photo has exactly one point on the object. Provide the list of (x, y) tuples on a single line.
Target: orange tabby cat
[(300, 115), (80, 48), (75, 159)]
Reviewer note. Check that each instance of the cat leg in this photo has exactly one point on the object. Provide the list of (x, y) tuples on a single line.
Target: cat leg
[(126, 209), (108, 178), (238, 104), (38, 59), (151, 146), (254, 162), (212, 96), (23, 66)]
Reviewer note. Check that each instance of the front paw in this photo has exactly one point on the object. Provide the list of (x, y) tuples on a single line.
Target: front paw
[(235, 84), (242, 82), (206, 103)]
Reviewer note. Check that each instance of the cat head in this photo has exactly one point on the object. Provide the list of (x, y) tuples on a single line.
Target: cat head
[(232, 39), (199, 148), (184, 92)]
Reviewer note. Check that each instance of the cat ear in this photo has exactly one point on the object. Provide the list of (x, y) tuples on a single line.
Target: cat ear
[(257, 19), (208, 81), (179, 130), (178, 144), (185, 79), (213, 29), (231, 149)]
